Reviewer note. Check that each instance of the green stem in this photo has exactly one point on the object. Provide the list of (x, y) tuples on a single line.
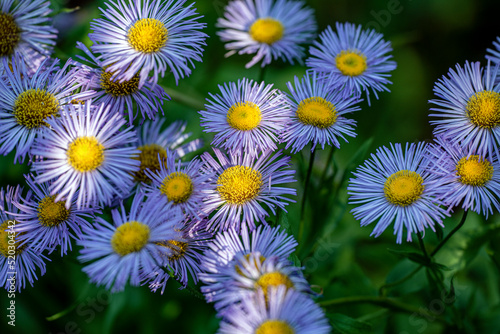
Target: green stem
[(441, 244), (422, 246), (398, 282), (262, 74), (304, 196), (325, 171), (184, 99), (389, 303), (71, 307)]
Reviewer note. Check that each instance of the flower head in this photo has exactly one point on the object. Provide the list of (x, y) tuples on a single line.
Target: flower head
[(148, 36), (469, 107), (494, 55), (245, 182), (86, 156), (270, 29), (396, 186), (318, 114), (247, 116), (129, 248), (356, 58)]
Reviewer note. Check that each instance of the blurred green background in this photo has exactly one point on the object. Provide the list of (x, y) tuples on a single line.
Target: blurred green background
[(340, 258)]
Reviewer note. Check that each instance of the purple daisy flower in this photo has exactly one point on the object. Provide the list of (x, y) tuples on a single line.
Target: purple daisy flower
[(283, 311), (120, 95), (27, 102), (494, 55), (355, 58), (46, 223), (223, 251), (250, 273), (396, 186), (245, 182), (154, 143), (87, 156), (472, 180), (25, 28), (247, 116), (184, 256), (318, 114), (144, 36), (130, 247), (267, 28), (18, 262), (469, 107)]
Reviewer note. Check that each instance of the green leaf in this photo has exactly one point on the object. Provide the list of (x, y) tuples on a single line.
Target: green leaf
[(439, 232), (343, 324), (413, 256), (360, 154), (282, 221)]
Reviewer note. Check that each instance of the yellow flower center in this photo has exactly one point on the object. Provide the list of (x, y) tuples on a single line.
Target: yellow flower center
[(244, 116), (403, 188), (247, 257), (85, 154), (317, 111), (10, 34), (267, 30), (116, 88), (483, 109), (178, 248), (273, 279), (130, 237), (351, 63), (177, 186), (5, 237), (150, 158), (239, 184), (147, 35), (52, 213), (274, 327), (32, 107), (474, 171)]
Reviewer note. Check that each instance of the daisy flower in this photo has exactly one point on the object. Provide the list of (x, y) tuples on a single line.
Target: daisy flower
[(494, 55), (247, 116), (46, 223), (318, 114), (472, 180), (267, 28), (27, 102), (356, 58), (154, 143), (145, 35), (180, 187), (184, 256), (396, 186), (86, 156), (283, 311), (223, 251), (120, 95), (253, 272), (245, 182), (18, 262), (128, 248), (25, 28), (469, 107)]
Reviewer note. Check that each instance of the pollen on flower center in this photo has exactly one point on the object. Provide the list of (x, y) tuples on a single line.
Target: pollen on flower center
[(178, 248), (403, 188), (274, 327), (116, 88), (267, 30), (130, 237), (483, 109), (5, 237), (10, 34), (239, 184), (52, 213), (351, 63), (177, 186), (474, 171), (317, 111), (33, 106), (147, 35), (244, 116), (150, 157), (273, 279), (247, 257), (85, 154)]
